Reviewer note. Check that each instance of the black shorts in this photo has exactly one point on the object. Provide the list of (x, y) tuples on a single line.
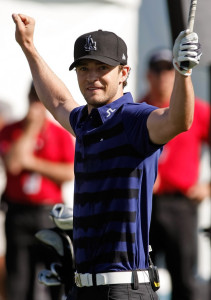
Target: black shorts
[(114, 292)]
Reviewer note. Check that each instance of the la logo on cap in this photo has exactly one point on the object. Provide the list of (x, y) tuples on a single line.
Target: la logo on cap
[(90, 44)]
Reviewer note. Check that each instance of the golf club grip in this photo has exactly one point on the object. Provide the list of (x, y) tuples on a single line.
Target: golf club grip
[(192, 13), (191, 19)]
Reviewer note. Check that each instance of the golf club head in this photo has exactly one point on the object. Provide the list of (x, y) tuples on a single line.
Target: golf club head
[(51, 238), (47, 278), (62, 216), (56, 269)]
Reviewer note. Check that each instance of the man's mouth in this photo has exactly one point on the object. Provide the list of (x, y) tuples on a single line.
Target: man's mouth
[(94, 88)]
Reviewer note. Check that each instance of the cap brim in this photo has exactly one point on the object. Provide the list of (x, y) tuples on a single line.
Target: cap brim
[(105, 60)]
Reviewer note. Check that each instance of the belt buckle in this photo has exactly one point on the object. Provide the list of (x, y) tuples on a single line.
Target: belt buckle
[(78, 280)]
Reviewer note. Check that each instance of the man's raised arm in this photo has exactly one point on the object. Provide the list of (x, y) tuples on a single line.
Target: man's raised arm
[(164, 124), (50, 89)]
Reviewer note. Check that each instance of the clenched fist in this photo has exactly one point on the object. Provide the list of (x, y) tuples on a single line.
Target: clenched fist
[(24, 29)]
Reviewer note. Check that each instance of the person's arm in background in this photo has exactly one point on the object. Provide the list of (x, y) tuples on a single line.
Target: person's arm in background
[(50, 89), (202, 189), (20, 155), (199, 191), (164, 124)]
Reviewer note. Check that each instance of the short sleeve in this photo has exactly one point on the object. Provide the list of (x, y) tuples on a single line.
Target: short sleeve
[(5, 140), (134, 117), (67, 144), (202, 119), (75, 117)]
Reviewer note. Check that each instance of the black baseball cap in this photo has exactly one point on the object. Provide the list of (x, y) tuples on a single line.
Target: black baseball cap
[(100, 45)]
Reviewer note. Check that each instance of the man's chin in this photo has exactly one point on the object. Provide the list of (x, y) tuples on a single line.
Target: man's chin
[(96, 101)]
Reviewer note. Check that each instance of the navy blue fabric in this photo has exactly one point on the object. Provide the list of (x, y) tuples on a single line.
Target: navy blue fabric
[(115, 169)]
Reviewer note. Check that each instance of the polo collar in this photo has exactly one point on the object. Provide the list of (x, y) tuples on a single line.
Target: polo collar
[(105, 112)]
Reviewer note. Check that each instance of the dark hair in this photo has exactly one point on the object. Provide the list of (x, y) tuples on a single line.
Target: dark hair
[(32, 95)]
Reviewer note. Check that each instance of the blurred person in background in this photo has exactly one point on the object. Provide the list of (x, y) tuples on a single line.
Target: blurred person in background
[(177, 190), (5, 117), (38, 156)]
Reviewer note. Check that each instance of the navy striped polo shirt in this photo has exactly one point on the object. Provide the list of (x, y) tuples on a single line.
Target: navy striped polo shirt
[(115, 169)]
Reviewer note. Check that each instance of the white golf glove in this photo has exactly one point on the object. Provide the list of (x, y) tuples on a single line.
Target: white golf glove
[(186, 52)]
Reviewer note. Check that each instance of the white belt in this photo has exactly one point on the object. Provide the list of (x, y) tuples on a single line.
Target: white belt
[(110, 278)]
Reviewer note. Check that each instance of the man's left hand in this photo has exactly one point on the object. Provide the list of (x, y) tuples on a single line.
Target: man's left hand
[(186, 52)]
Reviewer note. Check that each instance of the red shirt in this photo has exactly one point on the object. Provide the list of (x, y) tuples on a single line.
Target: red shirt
[(55, 144), (178, 166)]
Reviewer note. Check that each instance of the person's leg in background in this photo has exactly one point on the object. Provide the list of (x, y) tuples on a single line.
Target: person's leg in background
[(22, 254), (181, 252), (176, 230)]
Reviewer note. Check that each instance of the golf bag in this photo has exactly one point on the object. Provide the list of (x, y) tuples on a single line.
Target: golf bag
[(59, 239)]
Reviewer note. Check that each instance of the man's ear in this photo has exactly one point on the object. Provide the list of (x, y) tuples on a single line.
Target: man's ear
[(125, 70)]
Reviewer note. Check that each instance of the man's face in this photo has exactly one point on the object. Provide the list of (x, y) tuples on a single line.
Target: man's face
[(36, 111), (100, 83), (161, 78)]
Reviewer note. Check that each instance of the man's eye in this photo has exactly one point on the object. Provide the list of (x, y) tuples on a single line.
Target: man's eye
[(82, 68), (104, 67)]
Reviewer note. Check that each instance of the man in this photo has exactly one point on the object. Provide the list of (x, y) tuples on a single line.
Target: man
[(118, 144), (177, 190), (38, 157)]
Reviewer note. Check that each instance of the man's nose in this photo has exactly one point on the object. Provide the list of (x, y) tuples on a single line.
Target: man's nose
[(92, 76)]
